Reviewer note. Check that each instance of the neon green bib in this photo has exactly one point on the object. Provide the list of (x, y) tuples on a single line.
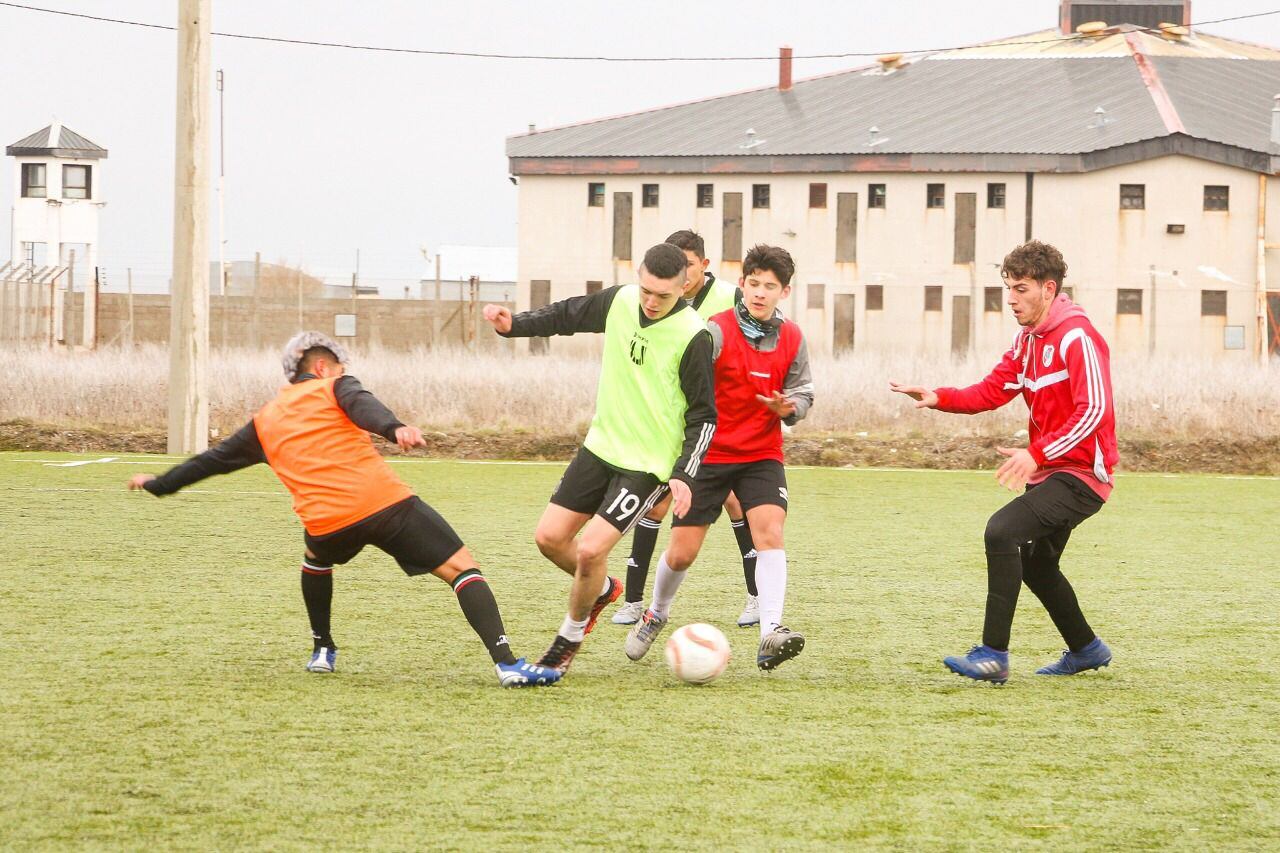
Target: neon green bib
[(719, 298), (640, 407)]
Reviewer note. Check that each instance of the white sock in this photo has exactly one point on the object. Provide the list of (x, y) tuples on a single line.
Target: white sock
[(572, 630), (664, 588), (771, 583)]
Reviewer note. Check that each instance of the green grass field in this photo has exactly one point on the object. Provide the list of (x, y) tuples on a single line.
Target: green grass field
[(154, 692)]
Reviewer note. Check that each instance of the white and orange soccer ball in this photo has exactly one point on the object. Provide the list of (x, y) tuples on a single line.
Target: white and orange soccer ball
[(697, 653)]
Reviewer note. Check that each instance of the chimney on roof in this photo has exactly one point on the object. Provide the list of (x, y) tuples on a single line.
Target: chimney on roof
[(1275, 120), (784, 69), (1148, 14)]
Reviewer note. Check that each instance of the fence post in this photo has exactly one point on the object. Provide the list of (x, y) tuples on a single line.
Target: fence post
[(254, 337), (129, 284)]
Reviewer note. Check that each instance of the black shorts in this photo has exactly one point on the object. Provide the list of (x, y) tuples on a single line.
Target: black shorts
[(593, 487), (1061, 502), (419, 539), (760, 483)]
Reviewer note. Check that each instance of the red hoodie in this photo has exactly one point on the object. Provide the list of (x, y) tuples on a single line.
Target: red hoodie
[(1062, 368)]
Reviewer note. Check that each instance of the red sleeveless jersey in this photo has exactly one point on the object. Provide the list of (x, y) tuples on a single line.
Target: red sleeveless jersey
[(746, 430)]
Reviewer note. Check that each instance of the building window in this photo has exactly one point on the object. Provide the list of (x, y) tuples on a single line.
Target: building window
[(594, 287), (1133, 196), (933, 297), (595, 195), (936, 195), (1128, 301), (995, 195), (75, 181), (992, 299), (33, 180), (1213, 303), (1216, 197), (876, 195), (817, 296), (760, 195), (649, 195), (706, 195), (875, 297), (817, 195)]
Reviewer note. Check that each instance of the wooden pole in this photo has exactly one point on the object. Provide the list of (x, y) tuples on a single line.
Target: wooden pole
[(255, 339), (436, 308), (189, 294), (298, 275), (1260, 284), (129, 284)]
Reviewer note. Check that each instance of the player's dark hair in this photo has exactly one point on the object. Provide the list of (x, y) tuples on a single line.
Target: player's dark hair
[(775, 259), (1036, 260), (665, 261), (309, 357), (689, 241)]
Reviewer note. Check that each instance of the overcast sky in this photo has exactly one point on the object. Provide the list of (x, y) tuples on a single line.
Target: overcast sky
[(332, 150)]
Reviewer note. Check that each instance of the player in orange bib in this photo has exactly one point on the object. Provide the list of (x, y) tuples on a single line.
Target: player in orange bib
[(315, 437)]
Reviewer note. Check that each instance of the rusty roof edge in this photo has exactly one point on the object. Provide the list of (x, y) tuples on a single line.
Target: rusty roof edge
[(779, 164)]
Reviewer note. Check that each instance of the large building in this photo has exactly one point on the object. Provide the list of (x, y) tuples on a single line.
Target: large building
[(1140, 146)]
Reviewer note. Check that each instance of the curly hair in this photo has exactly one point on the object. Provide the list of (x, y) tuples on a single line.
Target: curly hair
[(304, 346), (1036, 260)]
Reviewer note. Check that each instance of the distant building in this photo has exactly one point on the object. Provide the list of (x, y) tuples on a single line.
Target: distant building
[(495, 266), (58, 177), (1147, 157)]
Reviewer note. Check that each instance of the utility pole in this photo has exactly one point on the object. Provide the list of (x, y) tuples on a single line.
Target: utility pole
[(1151, 334), (189, 293), (222, 192)]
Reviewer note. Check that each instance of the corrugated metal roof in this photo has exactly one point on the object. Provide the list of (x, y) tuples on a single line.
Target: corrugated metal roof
[(957, 103), (68, 143)]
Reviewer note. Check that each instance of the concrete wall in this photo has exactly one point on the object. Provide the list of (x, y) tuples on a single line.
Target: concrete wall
[(236, 321), (906, 246)]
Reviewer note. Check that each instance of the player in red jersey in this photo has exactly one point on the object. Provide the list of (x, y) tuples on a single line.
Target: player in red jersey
[(762, 381), (1060, 366)]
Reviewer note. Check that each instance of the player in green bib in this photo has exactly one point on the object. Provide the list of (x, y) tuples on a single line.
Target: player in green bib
[(708, 296), (654, 420)]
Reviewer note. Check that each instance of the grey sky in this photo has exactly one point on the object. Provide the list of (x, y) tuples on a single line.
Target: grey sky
[(329, 150)]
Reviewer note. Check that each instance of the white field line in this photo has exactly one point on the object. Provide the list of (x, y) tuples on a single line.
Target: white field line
[(81, 462), (122, 489), (139, 460)]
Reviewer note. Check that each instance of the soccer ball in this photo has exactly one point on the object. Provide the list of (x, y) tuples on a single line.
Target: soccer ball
[(697, 653)]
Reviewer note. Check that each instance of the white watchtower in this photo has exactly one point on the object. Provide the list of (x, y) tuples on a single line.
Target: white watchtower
[(58, 179)]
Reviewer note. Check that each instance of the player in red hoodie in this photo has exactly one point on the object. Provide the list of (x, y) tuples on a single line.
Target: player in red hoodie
[(1060, 366)]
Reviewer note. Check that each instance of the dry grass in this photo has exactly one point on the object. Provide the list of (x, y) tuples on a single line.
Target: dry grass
[(452, 389)]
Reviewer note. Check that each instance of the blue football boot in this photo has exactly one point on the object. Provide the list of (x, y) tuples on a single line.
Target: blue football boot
[(524, 674), (982, 663), (323, 659), (1096, 655)]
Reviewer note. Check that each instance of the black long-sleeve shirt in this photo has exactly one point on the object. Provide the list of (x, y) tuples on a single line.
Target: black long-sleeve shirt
[(697, 375), (243, 449)]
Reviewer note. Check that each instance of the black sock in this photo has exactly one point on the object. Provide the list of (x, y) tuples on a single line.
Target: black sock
[(643, 543), (481, 609), (1004, 580), (742, 532), (1057, 596), (317, 594)]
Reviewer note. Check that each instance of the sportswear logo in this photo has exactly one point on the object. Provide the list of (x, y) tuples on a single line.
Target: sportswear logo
[(639, 345), (1048, 355), (782, 490), (502, 640)]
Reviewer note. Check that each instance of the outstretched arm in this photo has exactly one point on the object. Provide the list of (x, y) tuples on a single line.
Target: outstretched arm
[(566, 317), (368, 412), (1000, 386), (240, 450)]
